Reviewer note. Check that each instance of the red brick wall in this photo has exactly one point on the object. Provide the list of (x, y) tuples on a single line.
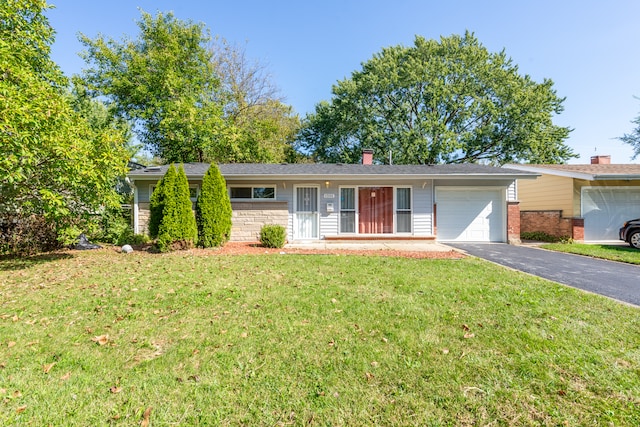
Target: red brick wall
[(552, 223), (578, 229), (513, 222)]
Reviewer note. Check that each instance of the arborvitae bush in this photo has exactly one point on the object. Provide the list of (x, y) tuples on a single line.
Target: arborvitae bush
[(273, 236), (178, 225), (213, 210), (157, 201)]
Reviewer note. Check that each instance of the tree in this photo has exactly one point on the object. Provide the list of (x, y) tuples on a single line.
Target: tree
[(633, 138), (177, 225), (157, 201), (164, 83), (53, 163), (264, 127), (213, 210), (447, 101)]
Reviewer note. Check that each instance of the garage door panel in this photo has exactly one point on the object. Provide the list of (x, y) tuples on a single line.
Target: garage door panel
[(605, 209), (472, 215)]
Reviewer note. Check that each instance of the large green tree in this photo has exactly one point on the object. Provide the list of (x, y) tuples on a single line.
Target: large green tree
[(53, 162), (446, 101), (264, 127), (164, 83)]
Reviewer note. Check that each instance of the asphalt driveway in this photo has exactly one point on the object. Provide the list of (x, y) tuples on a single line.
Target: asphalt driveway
[(612, 279)]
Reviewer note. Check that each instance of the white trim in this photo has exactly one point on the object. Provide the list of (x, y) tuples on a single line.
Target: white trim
[(295, 211), (395, 210), (355, 210), (136, 222)]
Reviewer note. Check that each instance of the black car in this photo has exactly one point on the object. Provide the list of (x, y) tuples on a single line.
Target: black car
[(630, 232)]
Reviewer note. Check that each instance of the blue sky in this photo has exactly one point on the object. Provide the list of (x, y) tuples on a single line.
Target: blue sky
[(590, 49)]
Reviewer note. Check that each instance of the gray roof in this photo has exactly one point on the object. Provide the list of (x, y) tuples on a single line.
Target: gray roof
[(588, 172), (337, 170)]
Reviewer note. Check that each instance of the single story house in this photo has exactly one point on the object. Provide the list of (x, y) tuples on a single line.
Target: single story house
[(585, 202), (465, 202)]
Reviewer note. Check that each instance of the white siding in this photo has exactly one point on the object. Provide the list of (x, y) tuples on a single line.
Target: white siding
[(423, 209), (512, 192)]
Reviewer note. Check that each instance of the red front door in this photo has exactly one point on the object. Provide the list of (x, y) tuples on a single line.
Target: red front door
[(376, 210)]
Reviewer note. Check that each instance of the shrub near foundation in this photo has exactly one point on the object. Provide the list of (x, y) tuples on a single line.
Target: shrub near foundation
[(213, 210), (273, 236), (177, 229)]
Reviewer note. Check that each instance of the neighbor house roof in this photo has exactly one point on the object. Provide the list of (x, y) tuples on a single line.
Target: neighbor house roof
[(596, 172), (337, 170)]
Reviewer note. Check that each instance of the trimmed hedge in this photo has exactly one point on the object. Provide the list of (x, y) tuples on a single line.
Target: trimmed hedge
[(273, 236)]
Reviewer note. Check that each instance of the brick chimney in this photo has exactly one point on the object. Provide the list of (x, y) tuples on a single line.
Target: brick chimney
[(600, 160), (367, 156)]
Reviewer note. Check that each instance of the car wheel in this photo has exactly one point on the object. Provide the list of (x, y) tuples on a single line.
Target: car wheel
[(634, 239)]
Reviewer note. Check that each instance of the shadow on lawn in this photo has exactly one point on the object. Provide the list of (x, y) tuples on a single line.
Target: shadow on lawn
[(12, 263), (618, 248)]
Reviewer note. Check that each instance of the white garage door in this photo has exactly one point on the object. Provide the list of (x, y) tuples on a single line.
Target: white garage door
[(605, 209), (470, 215)]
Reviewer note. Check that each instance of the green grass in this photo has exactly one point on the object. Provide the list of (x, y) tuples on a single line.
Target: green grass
[(611, 252), (307, 340)]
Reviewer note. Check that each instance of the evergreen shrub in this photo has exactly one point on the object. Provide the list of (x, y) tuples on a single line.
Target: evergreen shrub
[(213, 210), (273, 236)]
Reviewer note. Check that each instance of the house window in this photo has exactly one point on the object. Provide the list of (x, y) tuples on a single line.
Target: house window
[(403, 210), (347, 210), (194, 190), (266, 192)]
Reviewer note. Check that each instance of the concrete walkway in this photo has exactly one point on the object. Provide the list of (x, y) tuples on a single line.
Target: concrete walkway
[(398, 245), (616, 280)]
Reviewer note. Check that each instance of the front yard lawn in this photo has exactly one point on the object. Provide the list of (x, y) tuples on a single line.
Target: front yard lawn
[(611, 252), (102, 338)]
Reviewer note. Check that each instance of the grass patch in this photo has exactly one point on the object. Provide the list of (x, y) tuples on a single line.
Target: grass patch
[(610, 252), (99, 337)]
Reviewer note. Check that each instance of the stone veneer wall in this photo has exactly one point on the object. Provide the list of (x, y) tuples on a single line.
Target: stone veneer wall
[(143, 218), (247, 218)]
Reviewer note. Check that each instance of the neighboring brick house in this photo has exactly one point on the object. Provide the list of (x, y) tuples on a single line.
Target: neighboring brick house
[(363, 201), (584, 202)]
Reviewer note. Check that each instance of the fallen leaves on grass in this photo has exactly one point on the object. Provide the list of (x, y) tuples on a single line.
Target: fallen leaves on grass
[(47, 368), (101, 339), (145, 417)]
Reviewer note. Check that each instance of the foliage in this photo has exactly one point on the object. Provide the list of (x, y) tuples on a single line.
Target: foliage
[(53, 162), (20, 235), (633, 138), (213, 210), (177, 227), (158, 198), (281, 340), (273, 236), (447, 101), (113, 224), (541, 236), (264, 127), (164, 82)]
